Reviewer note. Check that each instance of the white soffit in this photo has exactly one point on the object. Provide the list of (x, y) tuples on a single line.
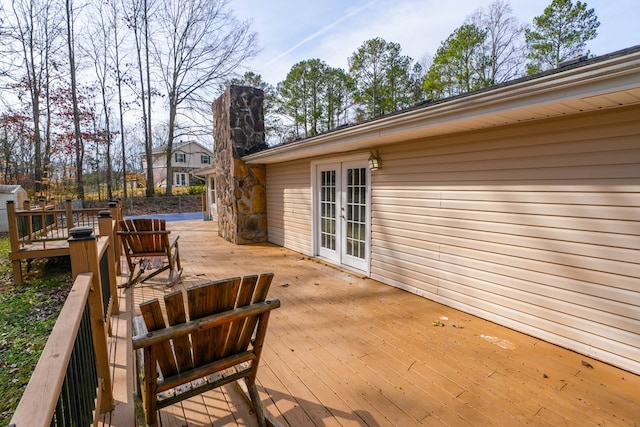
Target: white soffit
[(604, 84)]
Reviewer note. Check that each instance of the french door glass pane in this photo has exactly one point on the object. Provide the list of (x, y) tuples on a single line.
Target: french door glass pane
[(356, 209), (328, 209)]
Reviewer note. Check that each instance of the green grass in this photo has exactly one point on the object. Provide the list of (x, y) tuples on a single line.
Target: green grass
[(27, 315)]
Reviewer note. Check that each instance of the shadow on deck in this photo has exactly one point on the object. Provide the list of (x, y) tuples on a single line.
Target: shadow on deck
[(344, 350)]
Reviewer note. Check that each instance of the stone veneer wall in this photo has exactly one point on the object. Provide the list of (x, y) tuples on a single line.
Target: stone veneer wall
[(240, 188)]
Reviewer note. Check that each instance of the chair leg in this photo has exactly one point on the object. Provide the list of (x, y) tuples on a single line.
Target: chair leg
[(257, 405), (177, 256), (149, 388), (134, 275)]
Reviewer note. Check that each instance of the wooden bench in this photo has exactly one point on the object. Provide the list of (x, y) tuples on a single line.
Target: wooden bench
[(215, 340)]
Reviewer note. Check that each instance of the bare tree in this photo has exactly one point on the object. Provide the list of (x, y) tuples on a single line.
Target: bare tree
[(37, 34), (98, 51), (5, 47), (138, 14), (199, 43), (504, 43), (79, 145), (114, 24)]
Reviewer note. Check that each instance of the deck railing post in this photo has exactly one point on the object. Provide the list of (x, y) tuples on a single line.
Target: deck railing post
[(28, 219), (115, 207), (14, 240), (106, 226), (44, 226), (56, 219), (83, 249), (69, 209)]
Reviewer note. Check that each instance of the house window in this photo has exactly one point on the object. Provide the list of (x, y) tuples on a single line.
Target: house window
[(180, 179), (180, 157), (205, 159)]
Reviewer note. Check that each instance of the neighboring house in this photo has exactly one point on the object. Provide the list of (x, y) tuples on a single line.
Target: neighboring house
[(519, 203), (186, 158)]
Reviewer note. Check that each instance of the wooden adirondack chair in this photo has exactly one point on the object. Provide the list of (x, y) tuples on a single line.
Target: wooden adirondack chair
[(148, 248), (216, 340)]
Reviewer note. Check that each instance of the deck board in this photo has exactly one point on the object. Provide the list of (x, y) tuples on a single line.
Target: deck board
[(344, 350)]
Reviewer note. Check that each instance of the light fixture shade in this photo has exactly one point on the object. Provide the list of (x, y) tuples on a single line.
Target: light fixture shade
[(374, 162)]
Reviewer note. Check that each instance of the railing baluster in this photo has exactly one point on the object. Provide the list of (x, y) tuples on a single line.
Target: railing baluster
[(72, 375), (105, 281), (63, 408)]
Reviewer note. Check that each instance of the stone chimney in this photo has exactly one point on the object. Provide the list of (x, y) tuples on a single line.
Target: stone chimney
[(240, 188)]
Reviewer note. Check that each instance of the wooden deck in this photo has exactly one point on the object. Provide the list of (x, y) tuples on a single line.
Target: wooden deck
[(348, 351)]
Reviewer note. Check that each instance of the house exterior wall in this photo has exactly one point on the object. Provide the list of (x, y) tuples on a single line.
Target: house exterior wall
[(534, 226), (193, 157), (289, 205)]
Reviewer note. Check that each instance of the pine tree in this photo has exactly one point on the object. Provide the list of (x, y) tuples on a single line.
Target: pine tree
[(560, 33)]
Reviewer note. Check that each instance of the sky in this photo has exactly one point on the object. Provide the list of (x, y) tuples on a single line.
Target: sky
[(290, 31)]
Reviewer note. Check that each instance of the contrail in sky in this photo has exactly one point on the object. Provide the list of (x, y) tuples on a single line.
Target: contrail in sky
[(321, 31)]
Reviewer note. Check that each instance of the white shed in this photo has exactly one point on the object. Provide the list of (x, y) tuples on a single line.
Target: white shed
[(15, 193)]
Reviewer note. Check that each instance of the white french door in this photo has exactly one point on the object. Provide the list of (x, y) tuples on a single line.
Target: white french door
[(342, 215)]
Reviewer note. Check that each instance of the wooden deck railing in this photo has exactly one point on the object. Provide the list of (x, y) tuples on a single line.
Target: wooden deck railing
[(42, 231), (71, 384)]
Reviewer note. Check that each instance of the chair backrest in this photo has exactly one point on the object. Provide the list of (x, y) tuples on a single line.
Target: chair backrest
[(203, 346), (144, 235)]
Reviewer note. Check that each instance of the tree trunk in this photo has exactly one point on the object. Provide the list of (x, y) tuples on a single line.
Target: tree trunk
[(172, 123), (121, 113), (107, 123), (34, 85), (150, 188), (148, 148), (79, 147)]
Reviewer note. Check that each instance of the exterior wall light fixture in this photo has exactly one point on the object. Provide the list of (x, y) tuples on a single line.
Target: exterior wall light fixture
[(375, 162)]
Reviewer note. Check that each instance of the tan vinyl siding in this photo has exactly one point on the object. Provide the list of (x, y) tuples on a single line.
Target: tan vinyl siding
[(289, 205), (535, 226)]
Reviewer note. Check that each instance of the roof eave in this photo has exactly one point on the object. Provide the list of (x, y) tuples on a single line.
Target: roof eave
[(551, 95)]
